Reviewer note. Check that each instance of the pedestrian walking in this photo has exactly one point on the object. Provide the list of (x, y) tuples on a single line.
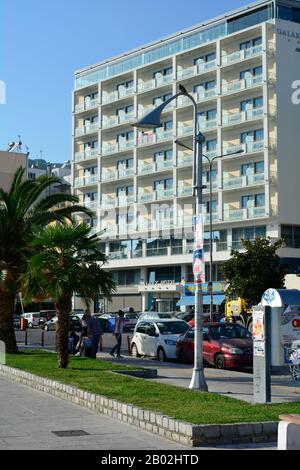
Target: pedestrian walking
[(94, 332), (119, 328)]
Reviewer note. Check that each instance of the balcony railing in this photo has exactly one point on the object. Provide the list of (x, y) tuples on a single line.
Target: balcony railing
[(244, 214), (91, 204), (87, 180), (154, 83), (88, 129), (86, 106), (241, 55), (108, 149), (234, 182), (114, 175), (199, 97), (86, 155), (153, 138), (249, 147), (146, 169), (111, 202), (230, 119), (117, 120), (117, 95), (239, 85), (185, 160), (196, 70), (185, 191), (155, 195), (143, 110)]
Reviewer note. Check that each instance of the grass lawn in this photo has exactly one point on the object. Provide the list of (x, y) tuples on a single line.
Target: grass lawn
[(183, 404)]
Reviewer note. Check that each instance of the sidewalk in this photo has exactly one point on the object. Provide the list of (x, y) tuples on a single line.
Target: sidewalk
[(228, 383)]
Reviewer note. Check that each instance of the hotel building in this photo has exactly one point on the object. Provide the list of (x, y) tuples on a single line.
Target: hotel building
[(243, 69)]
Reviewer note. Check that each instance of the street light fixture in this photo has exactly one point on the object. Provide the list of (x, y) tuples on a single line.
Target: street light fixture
[(153, 120), (210, 162)]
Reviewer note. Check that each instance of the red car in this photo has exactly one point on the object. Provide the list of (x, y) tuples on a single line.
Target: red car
[(225, 346)]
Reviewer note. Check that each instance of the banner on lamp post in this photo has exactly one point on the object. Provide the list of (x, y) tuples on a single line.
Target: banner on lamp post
[(198, 254)]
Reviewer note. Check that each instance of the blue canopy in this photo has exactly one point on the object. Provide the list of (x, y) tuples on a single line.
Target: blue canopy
[(189, 300)]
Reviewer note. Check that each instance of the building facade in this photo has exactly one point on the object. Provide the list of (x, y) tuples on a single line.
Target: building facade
[(10, 161), (243, 70)]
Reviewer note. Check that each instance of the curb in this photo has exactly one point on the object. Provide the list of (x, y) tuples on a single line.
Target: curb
[(178, 431)]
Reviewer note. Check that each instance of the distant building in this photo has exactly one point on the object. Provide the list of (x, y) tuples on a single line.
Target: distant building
[(10, 161)]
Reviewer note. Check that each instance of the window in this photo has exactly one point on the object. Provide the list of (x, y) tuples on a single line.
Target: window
[(211, 145), (125, 85), (125, 164), (207, 174), (163, 73), (91, 145), (251, 43), (209, 115), (165, 155), (127, 277), (205, 58), (141, 328), (212, 206), (125, 136), (257, 71), (126, 110), (256, 135), (288, 13), (251, 103), (256, 200), (252, 168), (201, 87), (291, 235), (250, 73), (168, 273), (247, 233), (248, 19), (160, 185)]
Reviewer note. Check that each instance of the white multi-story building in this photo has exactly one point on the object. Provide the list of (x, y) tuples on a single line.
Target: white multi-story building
[(243, 69)]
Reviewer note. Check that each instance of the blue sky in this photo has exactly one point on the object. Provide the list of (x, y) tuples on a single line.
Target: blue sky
[(42, 43)]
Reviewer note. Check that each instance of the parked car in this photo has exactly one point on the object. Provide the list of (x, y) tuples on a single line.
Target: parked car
[(131, 320), (33, 319), (157, 338), (46, 315), (155, 316), (186, 316), (75, 324), (225, 346)]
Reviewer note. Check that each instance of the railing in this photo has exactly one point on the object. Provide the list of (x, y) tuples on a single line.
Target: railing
[(148, 139), (143, 110), (86, 155), (242, 116), (117, 95), (153, 167), (196, 70), (146, 197), (117, 120), (238, 85), (164, 194), (154, 83), (117, 174), (185, 161), (249, 147), (207, 125), (243, 181), (108, 149), (91, 204), (241, 55), (88, 129), (157, 251), (185, 191), (185, 130), (117, 202), (86, 180), (86, 106), (244, 214), (199, 97)]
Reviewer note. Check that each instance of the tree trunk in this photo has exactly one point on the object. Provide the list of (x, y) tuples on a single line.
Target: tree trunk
[(7, 328), (63, 306)]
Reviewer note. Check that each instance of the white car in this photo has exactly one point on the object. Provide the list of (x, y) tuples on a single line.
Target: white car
[(155, 316), (33, 319), (157, 338)]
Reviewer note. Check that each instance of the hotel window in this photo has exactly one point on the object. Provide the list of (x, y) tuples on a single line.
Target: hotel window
[(161, 185), (125, 136), (163, 156), (251, 103), (247, 233), (209, 115), (205, 58), (125, 85), (211, 207), (161, 99), (256, 135), (163, 73), (206, 175), (211, 145), (125, 110), (291, 235), (166, 126), (91, 145), (251, 43), (125, 164), (252, 168), (93, 170), (91, 96), (255, 200), (211, 85), (124, 191)]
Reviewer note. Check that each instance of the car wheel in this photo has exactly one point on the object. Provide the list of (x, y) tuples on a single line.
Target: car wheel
[(161, 355), (219, 362), (134, 351)]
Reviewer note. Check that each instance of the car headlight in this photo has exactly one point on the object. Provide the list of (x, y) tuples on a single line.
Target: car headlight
[(235, 351), (170, 342)]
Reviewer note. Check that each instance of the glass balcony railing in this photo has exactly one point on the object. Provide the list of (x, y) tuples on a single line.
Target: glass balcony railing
[(143, 110), (244, 214), (239, 85), (110, 202), (88, 129), (86, 155), (87, 180), (207, 125), (233, 182), (185, 130), (91, 204), (185, 191), (230, 119), (199, 97), (185, 160), (114, 175), (249, 147), (164, 194), (108, 149), (117, 95), (154, 83), (118, 120), (196, 70), (153, 138), (86, 106), (146, 197), (157, 251), (241, 55), (146, 169)]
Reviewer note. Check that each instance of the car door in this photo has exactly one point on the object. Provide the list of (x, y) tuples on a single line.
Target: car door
[(140, 338), (152, 339)]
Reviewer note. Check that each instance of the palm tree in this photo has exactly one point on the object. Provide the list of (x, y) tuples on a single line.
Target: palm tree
[(67, 261), (25, 207)]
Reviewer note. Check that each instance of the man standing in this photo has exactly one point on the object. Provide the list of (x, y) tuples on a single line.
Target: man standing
[(94, 332), (119, 328)]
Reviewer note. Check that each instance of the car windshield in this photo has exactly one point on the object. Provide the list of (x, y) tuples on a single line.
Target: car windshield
[(229, 331), (172, 327)]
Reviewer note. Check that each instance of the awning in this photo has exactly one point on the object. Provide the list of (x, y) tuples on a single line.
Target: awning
[(189, 300)]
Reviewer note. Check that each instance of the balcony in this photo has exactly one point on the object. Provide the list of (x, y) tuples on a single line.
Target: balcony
[(143, 110), (244, 214), (239, 56), (112, 202), (185, 191), (196, 70), (249, 147), (237, 182), (186, 160), (114, 175), (146, 169), (117, 95), (117, 120), (238, 85), (85, 130), (155, 137), (87, 181), (231, 119), (93, 205), (86, 155), (185, 130), (146, 197), (108, 149), (154, 83), (86, 106)]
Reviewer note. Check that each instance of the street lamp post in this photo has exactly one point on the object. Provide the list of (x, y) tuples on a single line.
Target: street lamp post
[(210, 162), (153, 120)]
